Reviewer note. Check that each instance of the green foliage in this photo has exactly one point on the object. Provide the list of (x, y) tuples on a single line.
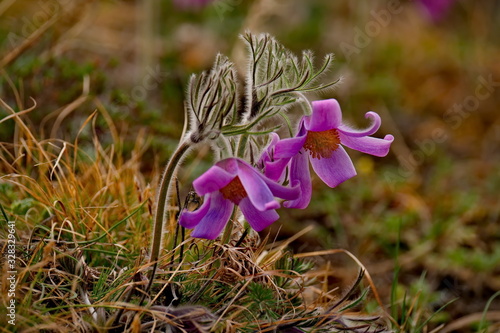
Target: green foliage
[(21, 207)]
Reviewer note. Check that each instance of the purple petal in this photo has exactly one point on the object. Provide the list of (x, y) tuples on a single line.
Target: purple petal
[(268, 153), (274, 170), (216, 218), (257, 190), (287, 148), (264, 158), (335, 169), (436, 8), (369, 145), (300, 176), (257, 219), (375, 125), (212, 180), (283, 192), (191, 219), (326, 115), (271, 166), (230, 165), (274, 138)]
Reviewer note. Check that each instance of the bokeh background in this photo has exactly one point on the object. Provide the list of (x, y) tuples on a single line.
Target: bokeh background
[(427, 216)]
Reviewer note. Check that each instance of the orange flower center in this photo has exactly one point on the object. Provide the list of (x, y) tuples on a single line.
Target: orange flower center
[(322, 144), (234, 191)]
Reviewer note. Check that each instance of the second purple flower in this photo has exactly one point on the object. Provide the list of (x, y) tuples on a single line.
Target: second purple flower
[(319, 141), (234, 182)]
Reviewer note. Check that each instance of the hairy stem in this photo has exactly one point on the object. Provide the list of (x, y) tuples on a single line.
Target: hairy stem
[(161, 201), (304, 102), (228, 230), (242, 146)]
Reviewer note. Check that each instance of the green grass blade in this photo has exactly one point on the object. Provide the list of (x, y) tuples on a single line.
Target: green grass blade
[(116, 225), (482, 324)]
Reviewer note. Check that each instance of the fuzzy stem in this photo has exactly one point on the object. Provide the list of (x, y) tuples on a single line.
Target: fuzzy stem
[(161, 201), (242, 145), (228, 230), (306, 105)]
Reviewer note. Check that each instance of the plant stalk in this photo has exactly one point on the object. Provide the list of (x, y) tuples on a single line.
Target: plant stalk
[(161, 201), (242, 145)]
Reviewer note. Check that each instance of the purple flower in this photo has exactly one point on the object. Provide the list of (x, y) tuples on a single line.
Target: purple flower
[(436, 8), (271, 166), (234, 182), (318, 141)]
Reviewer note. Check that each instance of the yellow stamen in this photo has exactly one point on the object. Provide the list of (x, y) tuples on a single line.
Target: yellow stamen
[(322, 144), (234, 191)]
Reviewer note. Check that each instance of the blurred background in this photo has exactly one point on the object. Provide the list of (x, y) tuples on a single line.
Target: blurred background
[(430, 211)]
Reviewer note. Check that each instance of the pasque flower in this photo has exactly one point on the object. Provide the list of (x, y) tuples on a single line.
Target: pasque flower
[(272, 166), (436, 9), (234, 182), (319, 141)]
